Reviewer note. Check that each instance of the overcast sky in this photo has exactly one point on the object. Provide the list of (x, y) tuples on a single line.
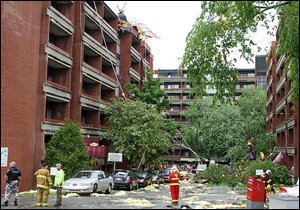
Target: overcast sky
[(172, 21)]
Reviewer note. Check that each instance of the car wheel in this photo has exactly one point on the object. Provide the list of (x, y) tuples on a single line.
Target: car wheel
[(95, 188), (108, 191), (130, 186)]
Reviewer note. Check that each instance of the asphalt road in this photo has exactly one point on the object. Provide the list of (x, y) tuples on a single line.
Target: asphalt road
[(195, 196)]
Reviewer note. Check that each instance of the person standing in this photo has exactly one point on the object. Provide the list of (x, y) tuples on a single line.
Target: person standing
[(44, 182), (58, 184), (266, 178), (12, 178), (251, 153), (174, 178)]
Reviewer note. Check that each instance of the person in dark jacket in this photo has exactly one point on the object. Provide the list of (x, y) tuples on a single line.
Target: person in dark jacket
[(251, 152), (12, 178)]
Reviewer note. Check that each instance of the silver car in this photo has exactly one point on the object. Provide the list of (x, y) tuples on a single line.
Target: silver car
[(91, 181)]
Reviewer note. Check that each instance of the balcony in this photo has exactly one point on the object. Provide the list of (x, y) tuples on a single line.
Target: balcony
[(279, 63), (90, 72), (280, 84), (269, 101), (270, 116), (49, 127), (173, 79), (57, 93), (107, 81), (270, 66), (290, 122), (289, 150), (173, 90), (247, 79), (93, 48), (146, 64), (92, 104), (58, 58), (95, 21), (280, 105), (92, 131), (289, 97), (134, 74), (135, 55), (59, 24), (280, 128), (269, 84)]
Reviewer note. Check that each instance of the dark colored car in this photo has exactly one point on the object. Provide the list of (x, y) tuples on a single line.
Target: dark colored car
[(125, 179), (144, 178)]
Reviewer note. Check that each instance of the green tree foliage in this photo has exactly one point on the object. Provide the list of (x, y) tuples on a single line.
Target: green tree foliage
[(66, 147), (138, 131), (226, 25), (253, 114), (151, 94), (212, 129), (218, 129)]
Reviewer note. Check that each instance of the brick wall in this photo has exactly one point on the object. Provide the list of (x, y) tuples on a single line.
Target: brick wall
[(20, 39)]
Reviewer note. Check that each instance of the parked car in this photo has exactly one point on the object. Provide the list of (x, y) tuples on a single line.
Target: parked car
[(90, 181), (125, 179), (165, 173), (200, 168), (157, 177), (144, 178)]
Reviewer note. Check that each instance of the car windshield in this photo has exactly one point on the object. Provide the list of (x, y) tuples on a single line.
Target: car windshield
[(120, 173), (141, 174), (166, 172), (85, 175)]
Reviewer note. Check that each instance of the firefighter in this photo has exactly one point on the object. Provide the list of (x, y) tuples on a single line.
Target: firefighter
[(266, 178), (12, 177), (174, 178), (44, 182)]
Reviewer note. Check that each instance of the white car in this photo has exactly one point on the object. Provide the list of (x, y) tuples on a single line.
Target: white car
[(292, 191), (91, 181)]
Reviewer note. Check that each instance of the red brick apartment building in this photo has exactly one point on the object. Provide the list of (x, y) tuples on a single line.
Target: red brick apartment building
[(59, 60), (281, 119)]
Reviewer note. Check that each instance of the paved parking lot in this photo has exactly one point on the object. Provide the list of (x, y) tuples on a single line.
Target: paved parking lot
[(195, 196)]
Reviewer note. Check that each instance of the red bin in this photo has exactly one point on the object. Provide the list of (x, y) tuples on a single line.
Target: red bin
[(256, 190)]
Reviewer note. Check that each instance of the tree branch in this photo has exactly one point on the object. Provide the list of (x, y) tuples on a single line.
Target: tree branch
[(271, 7)]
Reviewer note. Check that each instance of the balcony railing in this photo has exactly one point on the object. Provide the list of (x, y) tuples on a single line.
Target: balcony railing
[(135, 54), (107, 81), (60, 57), (92, 103), (134, 74), (57, 93), (50, 127), (90, 72), (280, 105), (279, 63), (62, 26), (269, 101), (280, 84), (280, 128)]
